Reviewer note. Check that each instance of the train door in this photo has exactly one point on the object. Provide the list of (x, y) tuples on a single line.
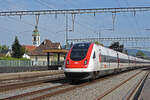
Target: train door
[(94, 60), (100, 64), (135, 61), (128, 61), (118, 60), (108, 59)]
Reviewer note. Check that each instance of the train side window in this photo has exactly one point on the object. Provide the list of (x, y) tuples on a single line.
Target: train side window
[(94, 56), (103, 58)]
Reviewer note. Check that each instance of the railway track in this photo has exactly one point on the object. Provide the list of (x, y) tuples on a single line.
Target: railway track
[(80, 86), (56, 90), (19, 79), (35, 92), (132, 95), (52, 91), (131, 92), (66, 87), (29, 82)]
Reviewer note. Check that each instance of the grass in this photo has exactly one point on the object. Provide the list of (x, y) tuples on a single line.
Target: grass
[(11, 58)]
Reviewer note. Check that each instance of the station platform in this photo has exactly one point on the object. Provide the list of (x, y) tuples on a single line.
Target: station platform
[(145, 93), (19, 75)]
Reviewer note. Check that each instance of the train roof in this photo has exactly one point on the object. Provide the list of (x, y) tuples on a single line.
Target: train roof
[(121, 55), (111, 52)]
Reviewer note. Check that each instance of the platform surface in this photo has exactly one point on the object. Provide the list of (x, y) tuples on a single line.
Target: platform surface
[(145, 93), (8, 76)]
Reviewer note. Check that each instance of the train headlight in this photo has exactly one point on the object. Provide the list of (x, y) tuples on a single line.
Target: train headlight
[(85, 62), (67, 62)]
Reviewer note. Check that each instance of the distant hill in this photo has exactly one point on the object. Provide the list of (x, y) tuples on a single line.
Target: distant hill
[(134, 51)]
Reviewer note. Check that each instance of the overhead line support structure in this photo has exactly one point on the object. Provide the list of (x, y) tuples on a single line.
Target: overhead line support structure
[(137, 47), (112, 39), (75, 11)]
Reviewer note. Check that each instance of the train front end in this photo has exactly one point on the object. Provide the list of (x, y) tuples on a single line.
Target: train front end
[(78, 61)]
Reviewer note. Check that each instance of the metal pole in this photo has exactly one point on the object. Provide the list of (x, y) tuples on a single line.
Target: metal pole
[(66, 31), (100, 37), (58, 58), (48, 59)]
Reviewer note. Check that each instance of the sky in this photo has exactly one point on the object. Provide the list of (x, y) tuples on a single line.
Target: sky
[(52, 27)]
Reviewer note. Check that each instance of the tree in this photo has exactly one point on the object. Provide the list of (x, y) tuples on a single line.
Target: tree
[(17, 49), (117, 47), (140, 54), (96, 42), (3, 47), (126, 52)]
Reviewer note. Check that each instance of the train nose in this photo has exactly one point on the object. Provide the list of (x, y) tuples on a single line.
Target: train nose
[(77, 64)]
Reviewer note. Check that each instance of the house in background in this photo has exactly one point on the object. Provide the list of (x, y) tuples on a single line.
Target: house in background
[(37, 55), (5, 53), (28, 48)]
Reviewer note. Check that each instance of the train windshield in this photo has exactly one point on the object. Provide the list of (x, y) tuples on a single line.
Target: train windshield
[(79, 51)]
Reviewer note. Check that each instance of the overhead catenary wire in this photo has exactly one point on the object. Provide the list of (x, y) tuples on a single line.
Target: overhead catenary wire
[(16, 20), (27, 23), (43, 3), (56, 14), (75, 6), (136, 26), (136, 22), (87, 26)]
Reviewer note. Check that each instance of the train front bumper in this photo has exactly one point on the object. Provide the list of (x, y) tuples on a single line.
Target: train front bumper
[(78, 75)]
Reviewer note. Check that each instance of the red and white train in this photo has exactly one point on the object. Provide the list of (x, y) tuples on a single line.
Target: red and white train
[(90, 60)]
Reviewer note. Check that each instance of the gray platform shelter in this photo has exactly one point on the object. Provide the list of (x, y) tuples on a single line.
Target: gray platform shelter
[(55, 51)]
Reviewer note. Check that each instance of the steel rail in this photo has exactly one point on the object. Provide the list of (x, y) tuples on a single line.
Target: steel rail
[(60, 91), (116, 87), (48, 95), (27, 84), (34, 92), (136, 87), (75, 11), (47, 89)]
